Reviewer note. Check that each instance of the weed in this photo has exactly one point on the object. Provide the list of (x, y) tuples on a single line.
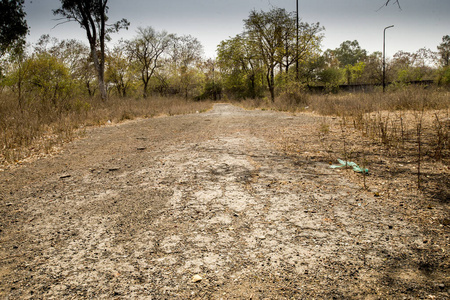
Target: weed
[(34, 127)]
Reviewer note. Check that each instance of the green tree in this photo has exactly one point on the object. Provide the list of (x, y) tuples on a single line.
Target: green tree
[(16, 69), (349, 53), (265, 31), (240, 66), (120, 70), (46, 78), (272, 36), (355, 72), (444, 51), (373, 71), (185, 53), (92, 17), (75, 55), (13, 26), (332, 77), (407, 67), (310, 38)]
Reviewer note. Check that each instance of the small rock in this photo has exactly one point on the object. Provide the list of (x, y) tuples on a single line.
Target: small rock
[(65, 176), (9, 204), (446, 222), (197, 278), (141, 148)]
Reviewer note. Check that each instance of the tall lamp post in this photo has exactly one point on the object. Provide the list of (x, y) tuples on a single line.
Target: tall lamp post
[(384, 57)]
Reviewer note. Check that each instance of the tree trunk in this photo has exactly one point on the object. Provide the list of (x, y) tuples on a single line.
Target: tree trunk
[(102, 86), (99, 65), (271, 83), (252, 86), (101, 73), (145, 93)]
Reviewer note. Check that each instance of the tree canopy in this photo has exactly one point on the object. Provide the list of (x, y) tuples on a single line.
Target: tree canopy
[(444, 50), (13, 26), (92, 17)]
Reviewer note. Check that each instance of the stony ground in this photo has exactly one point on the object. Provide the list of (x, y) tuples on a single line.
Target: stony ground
[(206, 206)]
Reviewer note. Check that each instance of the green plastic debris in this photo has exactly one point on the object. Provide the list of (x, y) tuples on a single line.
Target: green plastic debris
[(355, 167)]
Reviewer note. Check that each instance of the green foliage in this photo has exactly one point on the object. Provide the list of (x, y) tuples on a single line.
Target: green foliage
[(332, 78), (349, 53), (406, 67), (354, 72), (444, 51), (146, 51), (13, 26), (291, 91), (251, 61), (92, 17), (48, 78), (42, 77), (121, 73), (240, 68), (444, 76)]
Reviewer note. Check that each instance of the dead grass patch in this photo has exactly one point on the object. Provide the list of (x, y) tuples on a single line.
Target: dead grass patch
[(402, 137), (37, 129)]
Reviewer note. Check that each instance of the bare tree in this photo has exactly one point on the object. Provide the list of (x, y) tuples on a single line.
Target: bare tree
[(92, 17), (185, 52), (147, 49)]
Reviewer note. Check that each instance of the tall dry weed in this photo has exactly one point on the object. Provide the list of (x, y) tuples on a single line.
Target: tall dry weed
[(36, 127)]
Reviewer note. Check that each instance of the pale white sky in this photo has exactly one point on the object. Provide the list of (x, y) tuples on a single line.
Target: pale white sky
[(418, 24)]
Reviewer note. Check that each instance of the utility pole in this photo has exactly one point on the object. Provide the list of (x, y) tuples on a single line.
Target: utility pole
[(384, 57), (296, 53)]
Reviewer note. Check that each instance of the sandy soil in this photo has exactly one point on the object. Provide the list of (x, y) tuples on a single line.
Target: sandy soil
[(206, 206)]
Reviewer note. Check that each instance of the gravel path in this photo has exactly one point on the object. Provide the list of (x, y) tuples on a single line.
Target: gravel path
[(203, 206)]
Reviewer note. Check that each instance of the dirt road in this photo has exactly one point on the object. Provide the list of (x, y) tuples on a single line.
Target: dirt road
[(137, 210)]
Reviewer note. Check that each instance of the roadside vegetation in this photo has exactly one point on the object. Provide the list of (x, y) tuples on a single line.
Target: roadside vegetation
[(51, 91)]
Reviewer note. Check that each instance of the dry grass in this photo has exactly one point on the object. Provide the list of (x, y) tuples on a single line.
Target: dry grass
[(357, 104), (40, 128), (402, 136)]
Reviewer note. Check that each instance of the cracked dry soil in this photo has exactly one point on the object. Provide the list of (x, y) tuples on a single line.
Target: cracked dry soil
[(136, 210)]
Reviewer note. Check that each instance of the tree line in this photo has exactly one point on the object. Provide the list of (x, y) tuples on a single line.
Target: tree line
[(273, 55)]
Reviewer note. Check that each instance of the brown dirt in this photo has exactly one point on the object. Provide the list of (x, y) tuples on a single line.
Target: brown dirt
[(136, 210)]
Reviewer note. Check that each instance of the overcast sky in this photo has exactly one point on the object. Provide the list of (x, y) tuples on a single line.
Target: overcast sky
[(418, 24)]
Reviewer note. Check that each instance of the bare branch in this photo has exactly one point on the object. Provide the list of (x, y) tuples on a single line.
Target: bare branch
[(60, 23), (393, 1)]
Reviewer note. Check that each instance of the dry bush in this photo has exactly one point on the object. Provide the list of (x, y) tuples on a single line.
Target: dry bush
[(37, 128), (411, 98), (401, 135)]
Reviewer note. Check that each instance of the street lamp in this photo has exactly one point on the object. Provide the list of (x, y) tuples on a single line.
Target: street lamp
[(384, 57)]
